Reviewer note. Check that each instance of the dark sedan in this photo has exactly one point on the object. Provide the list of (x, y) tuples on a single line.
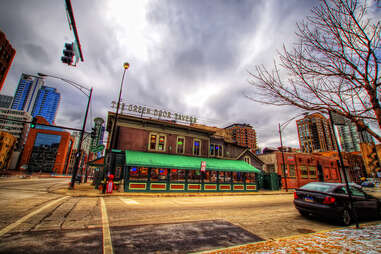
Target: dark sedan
[(331, 200)]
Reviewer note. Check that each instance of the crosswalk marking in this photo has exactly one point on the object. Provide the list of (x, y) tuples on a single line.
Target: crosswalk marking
[(15, 224), (128, 201), (107, 242)]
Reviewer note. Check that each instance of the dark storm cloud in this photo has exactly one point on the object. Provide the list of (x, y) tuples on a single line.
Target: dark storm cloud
[(37, 53), (205, 48), (203, 36)]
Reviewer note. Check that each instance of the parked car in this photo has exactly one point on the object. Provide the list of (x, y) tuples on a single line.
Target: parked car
[(367, 184), (332, 201)]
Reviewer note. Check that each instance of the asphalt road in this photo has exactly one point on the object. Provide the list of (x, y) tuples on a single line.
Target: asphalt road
[(34, 220)]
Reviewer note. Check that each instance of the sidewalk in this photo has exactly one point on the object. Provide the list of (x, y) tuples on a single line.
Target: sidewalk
[(367, 240)]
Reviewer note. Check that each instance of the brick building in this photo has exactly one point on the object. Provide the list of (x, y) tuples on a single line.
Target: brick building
[(47, 149), (162, 155), (243, 134), (315, 134), (7, 54), (302, 168)]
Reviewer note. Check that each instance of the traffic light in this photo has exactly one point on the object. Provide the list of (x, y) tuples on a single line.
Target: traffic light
[(93, 133), (68, 54), (33, 123)]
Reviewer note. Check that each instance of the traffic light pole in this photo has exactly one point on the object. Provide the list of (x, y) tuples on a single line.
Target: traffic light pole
[(352, 209), (78, 153)]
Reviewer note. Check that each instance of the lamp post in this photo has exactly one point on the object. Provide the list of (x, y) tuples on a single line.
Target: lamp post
[(280, 127), (114, 126), (112, 142), (78, 153)]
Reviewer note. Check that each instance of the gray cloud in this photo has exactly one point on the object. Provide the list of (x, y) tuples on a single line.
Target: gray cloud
[(198, 66)]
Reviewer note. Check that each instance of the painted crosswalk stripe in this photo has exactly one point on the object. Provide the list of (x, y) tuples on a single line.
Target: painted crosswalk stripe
[(17, 223), (129, 201), (107, 242)]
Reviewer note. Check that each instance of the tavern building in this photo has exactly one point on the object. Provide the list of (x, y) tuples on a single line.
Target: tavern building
[(161, 155)]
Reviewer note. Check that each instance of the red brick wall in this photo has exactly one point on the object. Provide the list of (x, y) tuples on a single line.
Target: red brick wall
[(329, 166), (132, 139), (63, 148), (138, 139)]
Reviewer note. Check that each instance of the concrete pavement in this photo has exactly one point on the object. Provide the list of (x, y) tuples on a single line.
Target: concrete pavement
[(366, 239)]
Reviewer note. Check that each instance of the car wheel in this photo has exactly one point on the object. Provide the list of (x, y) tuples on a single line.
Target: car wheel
[(346, 217)]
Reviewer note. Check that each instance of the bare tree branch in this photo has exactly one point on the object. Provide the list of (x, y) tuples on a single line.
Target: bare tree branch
[(333, 66)]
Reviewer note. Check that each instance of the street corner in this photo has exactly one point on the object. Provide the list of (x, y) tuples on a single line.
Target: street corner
[(366, 239)]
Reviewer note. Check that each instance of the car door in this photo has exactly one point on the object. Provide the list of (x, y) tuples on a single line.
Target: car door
[(366, 206)]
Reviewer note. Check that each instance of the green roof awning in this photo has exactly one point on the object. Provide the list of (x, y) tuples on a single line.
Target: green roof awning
[(159, 160)]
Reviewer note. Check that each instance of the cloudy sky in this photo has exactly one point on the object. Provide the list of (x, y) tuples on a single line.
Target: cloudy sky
[(191, 57)]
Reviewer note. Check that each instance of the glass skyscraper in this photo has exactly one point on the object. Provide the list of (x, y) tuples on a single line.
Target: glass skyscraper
[(46, 103), (26, 92), (33, 97)]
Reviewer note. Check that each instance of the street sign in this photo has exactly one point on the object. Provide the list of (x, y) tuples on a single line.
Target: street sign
[(203, 166), (98, 148)]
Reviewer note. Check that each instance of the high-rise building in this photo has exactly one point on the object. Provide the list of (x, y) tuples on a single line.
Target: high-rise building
[(315, 134), (243, 135), (26, 92), (350, 138), (18, 128), (7, 53), (5, 101), (46, 103)]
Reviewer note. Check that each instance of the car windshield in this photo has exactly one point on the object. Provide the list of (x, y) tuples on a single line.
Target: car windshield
[(317, 187)]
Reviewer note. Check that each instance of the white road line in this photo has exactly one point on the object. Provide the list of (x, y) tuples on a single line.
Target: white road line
[(107, 243), (15, 224), (129, 201)]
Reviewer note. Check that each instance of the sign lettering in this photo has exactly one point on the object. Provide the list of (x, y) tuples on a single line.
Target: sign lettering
[(142, 110)]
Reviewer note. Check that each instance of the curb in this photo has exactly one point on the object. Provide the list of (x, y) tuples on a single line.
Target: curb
[(286, 238), (93, 193)]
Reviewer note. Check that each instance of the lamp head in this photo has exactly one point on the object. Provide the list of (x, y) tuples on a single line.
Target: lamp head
[(126, 65), (41, 74)]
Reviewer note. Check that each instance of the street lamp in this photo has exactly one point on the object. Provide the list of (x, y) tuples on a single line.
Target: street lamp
[(83, 90), (112, 143), (280, 128), (113, 135)]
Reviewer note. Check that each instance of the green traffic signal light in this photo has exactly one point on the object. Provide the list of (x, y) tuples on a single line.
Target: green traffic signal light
[(33, 123)]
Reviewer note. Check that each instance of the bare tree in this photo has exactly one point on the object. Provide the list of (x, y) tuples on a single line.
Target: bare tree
[(334, 66)]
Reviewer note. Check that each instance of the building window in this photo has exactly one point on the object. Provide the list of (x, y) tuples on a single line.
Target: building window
[(197, 147), (136, 173), (291, 170), (161, 145), (158, 174), (238, 177), (180, 144), (216, 150), (250, 178), (194, 176), (312, 172), (177, 175), (224, 177), (303, 172), (157, 142), (247, 159), (152, 142), (210, 177)]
